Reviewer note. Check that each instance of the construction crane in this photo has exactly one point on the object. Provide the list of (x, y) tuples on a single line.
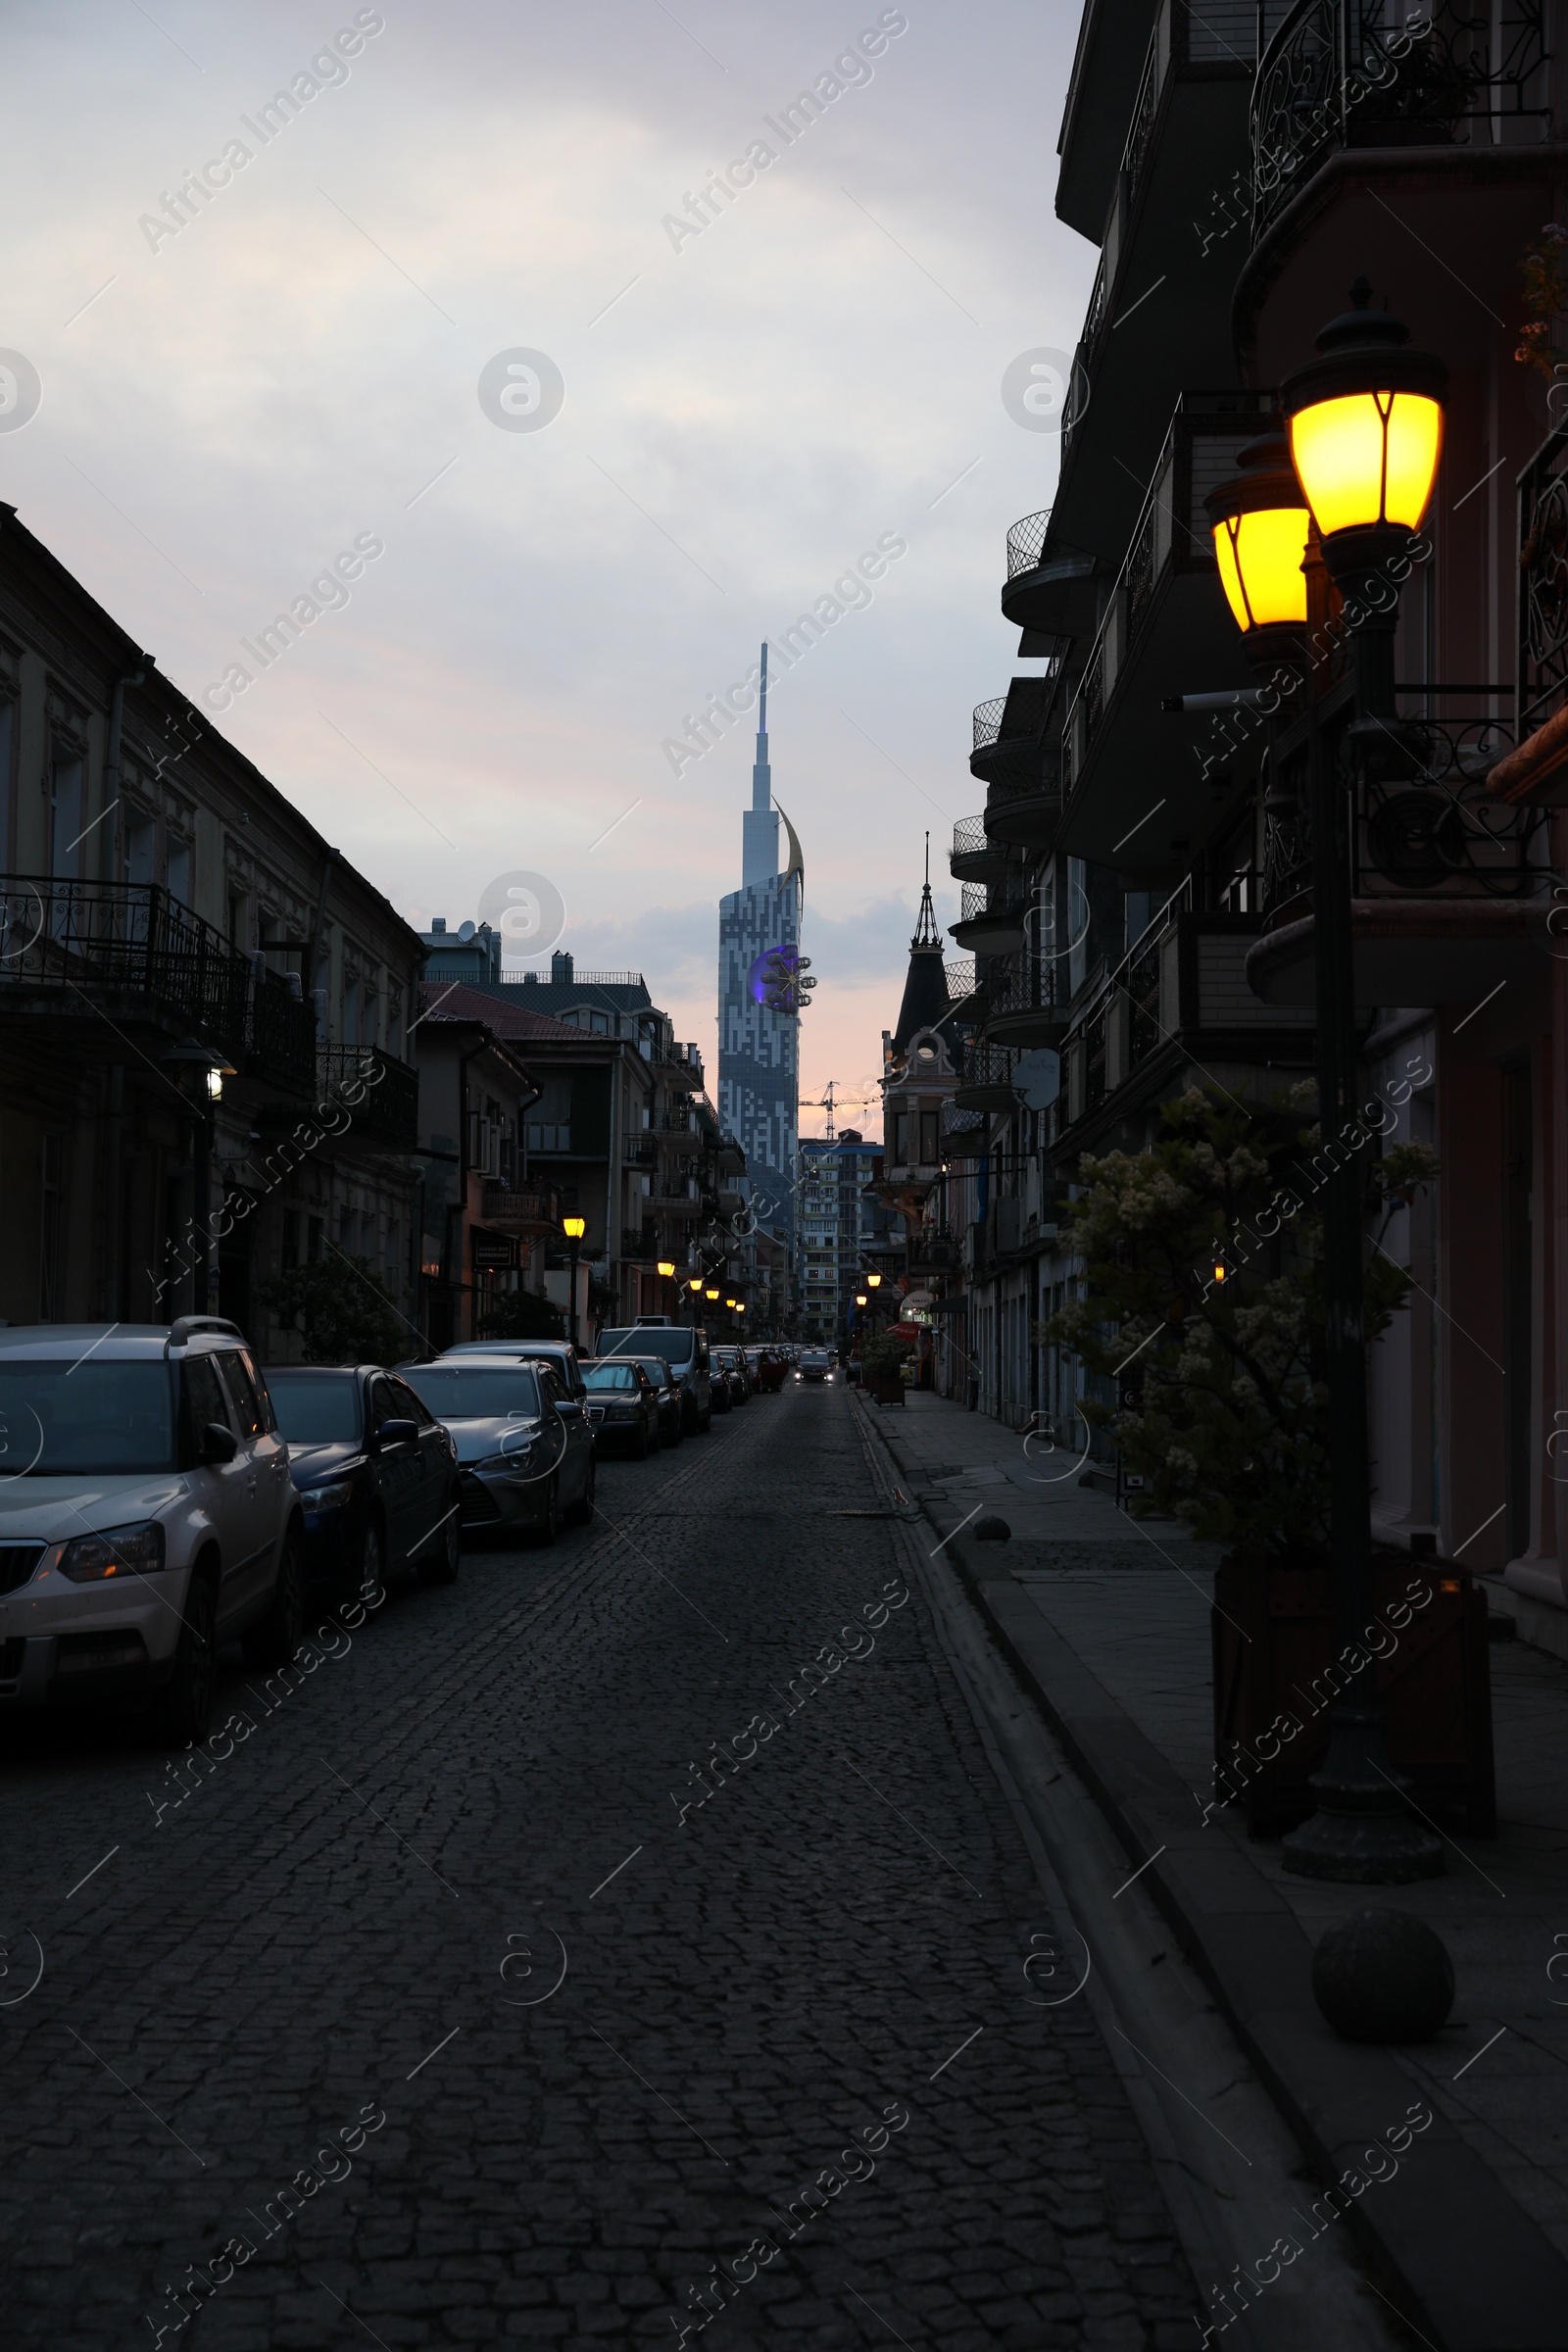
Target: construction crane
[(831, 1101)]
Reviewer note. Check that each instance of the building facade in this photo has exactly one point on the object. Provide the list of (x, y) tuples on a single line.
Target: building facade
[(1138, 891), (206, 1074), (759, 995), (840, 1227)]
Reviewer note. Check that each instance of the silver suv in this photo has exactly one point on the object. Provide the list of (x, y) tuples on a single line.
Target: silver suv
[(147, 1516)]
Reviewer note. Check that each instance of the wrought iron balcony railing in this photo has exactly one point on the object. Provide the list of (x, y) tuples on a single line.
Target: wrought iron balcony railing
[(81, 941), (1543, 582), (1425, 821), (387, 1109), (1025, 541), (1343, 72), (959, 972)]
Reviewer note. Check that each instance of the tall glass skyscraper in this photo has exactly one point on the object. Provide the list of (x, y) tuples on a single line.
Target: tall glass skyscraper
[(758, 1046)]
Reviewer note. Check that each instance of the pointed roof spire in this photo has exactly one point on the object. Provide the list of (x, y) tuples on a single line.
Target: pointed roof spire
[(925, 988), (927, 931)]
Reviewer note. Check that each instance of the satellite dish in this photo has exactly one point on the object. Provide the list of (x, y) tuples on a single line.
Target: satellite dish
[(1038, 1078)]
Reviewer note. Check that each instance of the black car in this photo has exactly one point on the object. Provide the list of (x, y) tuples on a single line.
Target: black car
[(623, 1404), (376, 1475), (671, 1413)]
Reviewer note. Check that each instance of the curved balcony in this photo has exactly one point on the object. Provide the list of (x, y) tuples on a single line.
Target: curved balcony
[(977, 858), (1024, 810), (1025, 1007), (1057, 594), (989, 923), (1010, 731), (986, 1083)]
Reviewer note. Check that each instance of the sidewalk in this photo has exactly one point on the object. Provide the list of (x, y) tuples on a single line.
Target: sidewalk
[(1106, 1619)]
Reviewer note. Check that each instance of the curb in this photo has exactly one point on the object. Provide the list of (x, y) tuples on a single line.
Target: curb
[(1476, 2270)]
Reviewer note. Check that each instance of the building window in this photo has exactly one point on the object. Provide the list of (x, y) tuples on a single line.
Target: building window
[(291, 1240), (65, 814), (179, 869), (315, 1240)]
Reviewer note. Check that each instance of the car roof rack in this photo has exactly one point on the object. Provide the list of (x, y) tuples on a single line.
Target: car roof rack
[(186, 1328)]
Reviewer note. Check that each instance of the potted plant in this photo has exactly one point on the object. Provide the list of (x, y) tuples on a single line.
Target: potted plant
[(1201, 1324), (882, 1359)]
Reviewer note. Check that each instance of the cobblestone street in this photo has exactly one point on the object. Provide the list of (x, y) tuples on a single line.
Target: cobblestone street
[(446, 2007)]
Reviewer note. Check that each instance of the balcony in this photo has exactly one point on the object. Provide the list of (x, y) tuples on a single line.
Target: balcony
[(986, 1081), (1133, 791), (387, 1111), (1010, 732), (530, 1214), (666, 1123), (1342, 74), (1450, 880), (975, 857), (1024, 810), (1537, 772), (1025, 1005), (1057, 594), (129, 953), (1159, 312), (1177, 1008), (992, 919), (639, 1245), (640, 1151)]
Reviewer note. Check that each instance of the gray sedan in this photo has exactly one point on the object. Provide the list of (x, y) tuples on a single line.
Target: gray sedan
[(525, 1452)]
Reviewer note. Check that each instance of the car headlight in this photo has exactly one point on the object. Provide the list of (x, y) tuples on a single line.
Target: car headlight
[(518, 1458), (136, 1551), (330, 1498)]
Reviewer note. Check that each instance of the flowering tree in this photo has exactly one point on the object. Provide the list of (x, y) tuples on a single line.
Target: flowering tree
[(1204, 1301)]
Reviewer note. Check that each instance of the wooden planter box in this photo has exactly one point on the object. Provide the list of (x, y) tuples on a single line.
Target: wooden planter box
[(1435, 1683), (885, 1392)]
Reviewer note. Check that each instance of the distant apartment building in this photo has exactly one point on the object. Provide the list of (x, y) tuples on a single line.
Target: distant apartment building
[(841, 1230)]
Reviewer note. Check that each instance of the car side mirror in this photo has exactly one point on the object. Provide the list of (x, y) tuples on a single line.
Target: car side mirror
[(570, 1408), (219, 1443), (397, 1433)]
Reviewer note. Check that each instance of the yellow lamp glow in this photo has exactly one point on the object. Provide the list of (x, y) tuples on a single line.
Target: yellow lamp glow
[(872, 1281), (666, 1267), (696, 1283), (1366, 423), (859, 1298), (710, 1293), (1368, 458), (1260, 557), (1260, 531), (574, 1228)]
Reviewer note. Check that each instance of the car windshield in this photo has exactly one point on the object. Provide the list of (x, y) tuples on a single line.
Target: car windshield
[(116, 1419), (654, 1370), (316, 1408), (474, 1392), (672, 1341), (609, 1376)]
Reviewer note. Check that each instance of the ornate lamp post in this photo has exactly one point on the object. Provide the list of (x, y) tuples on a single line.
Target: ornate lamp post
[(695, 1287), (1365, 422), (199, 1073), (667, 1269), (573, 1228)]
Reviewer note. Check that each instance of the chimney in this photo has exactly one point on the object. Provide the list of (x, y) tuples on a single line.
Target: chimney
[(560, 965)]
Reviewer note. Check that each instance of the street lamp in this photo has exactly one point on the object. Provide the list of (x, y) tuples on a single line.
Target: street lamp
[(199, 1073), (1365, 421), (666, 1267), (574, 1228)]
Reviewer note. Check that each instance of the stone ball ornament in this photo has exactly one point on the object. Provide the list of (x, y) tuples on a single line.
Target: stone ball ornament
[(1382, 1976)]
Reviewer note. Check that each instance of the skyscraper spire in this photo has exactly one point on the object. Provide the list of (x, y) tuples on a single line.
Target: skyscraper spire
[(760, 824)]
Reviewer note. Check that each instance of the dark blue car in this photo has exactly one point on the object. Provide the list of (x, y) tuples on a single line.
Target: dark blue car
[(376, 1475)]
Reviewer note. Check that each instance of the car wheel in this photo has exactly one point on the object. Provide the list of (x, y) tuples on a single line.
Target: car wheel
[(549, 1527), (373, 1565), (184, 1714), (442, 1561), (274, 1640), (582, 1510)]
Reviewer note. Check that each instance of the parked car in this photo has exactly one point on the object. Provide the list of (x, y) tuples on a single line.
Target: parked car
[(565, 1359), (671, 1417), (732, 1365), (815, 1364), (685, 1351), (623, 1404), (146, 1517), (525, 1450), (376, 1475)]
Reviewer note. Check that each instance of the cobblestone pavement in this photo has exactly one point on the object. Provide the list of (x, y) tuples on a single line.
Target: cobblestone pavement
[(448, 1994)]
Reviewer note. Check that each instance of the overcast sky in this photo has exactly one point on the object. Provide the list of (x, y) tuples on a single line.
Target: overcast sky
[(746, 410)]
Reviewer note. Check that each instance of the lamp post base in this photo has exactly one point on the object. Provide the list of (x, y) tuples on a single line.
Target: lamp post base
[(1361, 1833)]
